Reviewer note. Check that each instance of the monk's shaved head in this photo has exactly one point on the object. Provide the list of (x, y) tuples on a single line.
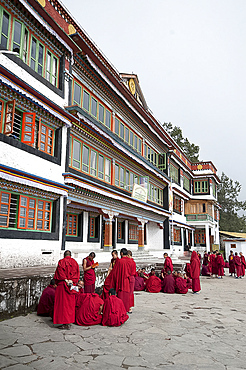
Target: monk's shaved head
[(67, 253)]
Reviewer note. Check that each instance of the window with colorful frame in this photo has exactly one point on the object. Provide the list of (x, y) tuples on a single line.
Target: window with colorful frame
[(177, 204), (72, 225), (177, 235), (24, 212), (186, 183), (201, 187), (4, 27), (77, 92), (124, 178), (155, 194), (120, 231), (93, 228), (200, 237), (162, 165), (133, 233), (174, 173)]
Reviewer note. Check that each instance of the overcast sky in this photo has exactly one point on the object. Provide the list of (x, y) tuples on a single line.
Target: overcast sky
[(190, 58)]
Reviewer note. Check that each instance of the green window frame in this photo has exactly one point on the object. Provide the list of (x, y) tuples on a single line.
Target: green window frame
[(37, 56), (93, 163), (174, 173), (186, 183), (86, 100), (101, 113), (122, 177), (200, 187), (101, 166), (5, 19), (85, 158), (117, 126), (76, 157), (94, 107), (17, 36), (51, 68), (108, 170), (117, 175), (162, 161), (77, 90)]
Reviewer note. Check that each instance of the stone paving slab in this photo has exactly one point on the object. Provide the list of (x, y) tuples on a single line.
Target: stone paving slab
[(177, 332)]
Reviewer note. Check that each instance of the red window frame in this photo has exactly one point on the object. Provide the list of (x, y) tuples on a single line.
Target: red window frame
[(5, 204), (133, 232), (1, 114), (119, 231), (28, 128), (200, 238), (26, 216), (46, 214), (177, 235), (177, 204), (45, 140), (72, 224)]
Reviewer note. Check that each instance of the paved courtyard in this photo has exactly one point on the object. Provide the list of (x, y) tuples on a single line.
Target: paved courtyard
[(205, 331)]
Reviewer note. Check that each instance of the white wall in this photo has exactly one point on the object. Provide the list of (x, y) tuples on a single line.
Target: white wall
[(240, 247)]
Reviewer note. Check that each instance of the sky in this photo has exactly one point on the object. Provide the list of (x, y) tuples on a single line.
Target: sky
[(190, 58)]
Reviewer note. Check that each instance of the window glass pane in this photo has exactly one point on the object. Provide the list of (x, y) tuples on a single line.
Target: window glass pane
[(17, 37), (127, 180), (24, 54), (93, 163), (107, 170), (100, 166), (127, 134), (108, 119), (121, 130), (85, 166), (77, 93), (116, 128), (76, 153), (116, 175), (131, 181), (140, 145), (101, 113), (131, 138), (5, 30), (93, 107), (135, 142), (86, 100), (122, 179)]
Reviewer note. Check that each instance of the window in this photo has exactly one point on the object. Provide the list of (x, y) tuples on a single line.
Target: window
[(200, 237), (76, 154), (25, 46), (77, 93), (46, 139), (120, 231), (107, 170), (43, 219), (37, 56), (9, 117), (133, 232), (27, 213), (186, 183), (131, 181), (117, 176), (4, 29), (94, 107), (4, 208), (101, 113), (17, 37), (51, 69), (100, 167), (201, 186), (177, 204), (86, 100), (162, 161), (108, 119), (72, 225), (176, 235), (139, 145), (131, 138), (85, 159), (28, 129), (93, 230), (122, 130), (122, 177), (174, 173), (93, 169), (135, 142), (116, 126)]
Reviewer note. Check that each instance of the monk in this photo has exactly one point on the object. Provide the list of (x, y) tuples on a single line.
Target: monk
[(187, 269), (47, 300), (153, 283), (188, 281), (214, 263), (195, 272), (180, 285), (168, 285), (108, 283), (139, 283), (89, 273), (209, 265), (205, 270), (67, 273), (121, 278), (132, 279), (89, 307), (238, 265), (221, 265), (231, 264), (243, 264), (168, 265), (114, 312)]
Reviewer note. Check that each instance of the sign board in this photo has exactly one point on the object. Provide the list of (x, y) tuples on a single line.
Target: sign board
[(139, 193)]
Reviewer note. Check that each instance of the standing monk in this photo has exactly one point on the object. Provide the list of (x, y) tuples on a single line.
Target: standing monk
[(195, 272), (67, 273), (121, 278), (108, 283), (238, 265), (89, 273), (168, 265), (221, 265), (132, 279), (243, 263), (231, 263)]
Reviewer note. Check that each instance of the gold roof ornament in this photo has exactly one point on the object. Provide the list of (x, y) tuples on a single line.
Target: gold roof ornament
[(199, 167), (132, 86)]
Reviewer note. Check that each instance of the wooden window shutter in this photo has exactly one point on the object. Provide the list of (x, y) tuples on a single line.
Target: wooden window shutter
[(28, 128), (9, 117)]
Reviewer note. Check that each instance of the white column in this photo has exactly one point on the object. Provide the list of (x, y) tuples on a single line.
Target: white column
[(207, 238)]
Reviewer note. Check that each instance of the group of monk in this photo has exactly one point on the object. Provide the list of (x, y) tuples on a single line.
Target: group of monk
[(213, 264)]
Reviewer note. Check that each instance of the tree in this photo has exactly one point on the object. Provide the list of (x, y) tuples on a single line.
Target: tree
[(190, 150), (228, 192)]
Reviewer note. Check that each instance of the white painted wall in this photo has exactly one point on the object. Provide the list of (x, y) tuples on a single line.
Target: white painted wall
[(154, 237), (240, 247)]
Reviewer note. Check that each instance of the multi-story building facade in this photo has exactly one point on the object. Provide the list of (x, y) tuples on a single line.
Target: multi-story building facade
[(84, 164)]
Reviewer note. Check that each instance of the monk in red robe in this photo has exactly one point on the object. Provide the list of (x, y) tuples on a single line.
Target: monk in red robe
[(121, 278), (139, 283), (108, 283), (195, 272), (153, 283), (243, 264), (67, 273), (168, 265), (209, 265), (180, 285), (187, 269), (188, 281), (89, 308), (132, 279), (168, 285), (238, 265), (47, 300), (232, 269), (89, 273), (114, 312), (221, 265)]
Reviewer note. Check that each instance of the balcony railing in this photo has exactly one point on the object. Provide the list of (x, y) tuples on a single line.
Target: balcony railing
[(199, 217)]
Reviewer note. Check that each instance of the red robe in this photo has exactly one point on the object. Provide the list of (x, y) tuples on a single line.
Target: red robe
[(153, 284), (243, 265), (187, 269), (221, 265), (168, 265), (108, 283), (181, 285), (87, 307), (132, 281), (46, 302), (231, 264), (195, 272), (168, 285), (121, 280), (189, 283), (64, 307), (139, 283), (213, 259), (114, 312), (238, 265), (89, 277)]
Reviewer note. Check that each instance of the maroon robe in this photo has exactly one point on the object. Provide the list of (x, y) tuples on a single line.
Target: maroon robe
[(153, 284), (205, 271), (213, 259), (114, 312), (64, 307), (195, 272), (187, 269), (139, 283), (243, 264), (89, 277), (181, 285), (46, 302), (231, 264), (221, 265), (238, 265), (121, 280), (132, 281), (168, 265), (168, 285), (87, 307), (108, 283), (189, 283)]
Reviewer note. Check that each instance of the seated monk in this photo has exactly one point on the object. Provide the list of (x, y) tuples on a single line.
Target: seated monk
[(47, 300), (188, 281), (152, 272), (153, 284), (114, 312), (205, 271), (175, 274), (180, 284), (79, 288), (168, 285), (88, 310), (139, 283), (144, 273)]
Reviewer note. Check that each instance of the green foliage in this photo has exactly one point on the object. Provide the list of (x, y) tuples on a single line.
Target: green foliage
[(190, 150), (228, 192)]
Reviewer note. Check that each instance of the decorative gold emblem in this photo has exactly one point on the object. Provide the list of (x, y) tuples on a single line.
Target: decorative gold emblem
[(71, 29), (42, 3), (132, 86), (199, 167)]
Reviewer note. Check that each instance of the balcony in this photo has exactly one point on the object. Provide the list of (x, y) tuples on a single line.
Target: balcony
[(199, 217)]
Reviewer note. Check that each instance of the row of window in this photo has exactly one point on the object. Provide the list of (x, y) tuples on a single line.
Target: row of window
[(20, 40), (26, 127), (24, 212)]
